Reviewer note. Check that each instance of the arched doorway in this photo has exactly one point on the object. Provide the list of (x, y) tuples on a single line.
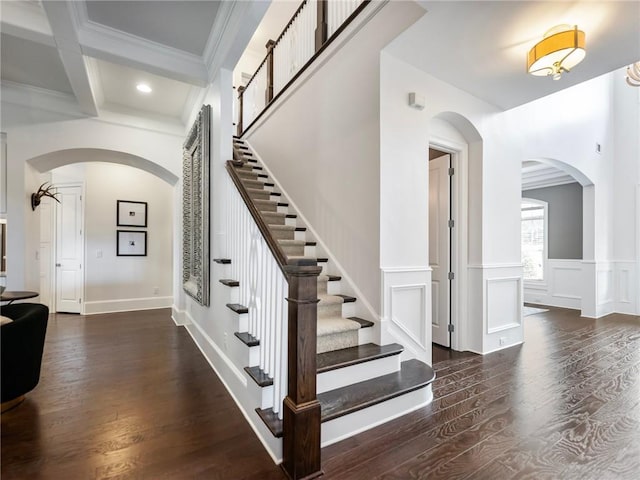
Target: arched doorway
[(566, 277), (455, 226), (108, 277)]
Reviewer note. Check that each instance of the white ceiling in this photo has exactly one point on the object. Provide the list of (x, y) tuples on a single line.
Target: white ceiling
[(540, 175), (481, 46), (183, 25), (88, 55)]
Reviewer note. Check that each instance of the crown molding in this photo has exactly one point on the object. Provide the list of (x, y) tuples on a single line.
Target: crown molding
[(39, 98)]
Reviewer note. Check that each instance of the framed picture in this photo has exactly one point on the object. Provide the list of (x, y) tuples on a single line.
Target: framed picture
[(132, 214), (195, 209), (131, 243)]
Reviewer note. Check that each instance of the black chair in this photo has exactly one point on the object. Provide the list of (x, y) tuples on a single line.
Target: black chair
[(22, 343)]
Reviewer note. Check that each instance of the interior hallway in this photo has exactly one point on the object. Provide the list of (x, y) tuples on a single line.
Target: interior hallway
[(130, 396)]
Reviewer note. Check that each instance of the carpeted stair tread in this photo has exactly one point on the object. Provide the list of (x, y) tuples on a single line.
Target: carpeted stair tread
[(236, 307), (248, 339), (326, 299), (256, 184), (229, 283), (413, 375), (354, 355), (258, 376), (262, 192), (222, 261), (318, 260), (333, 325)]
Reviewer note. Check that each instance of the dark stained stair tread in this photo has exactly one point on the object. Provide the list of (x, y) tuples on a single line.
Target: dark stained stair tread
[(333, 278), (347, 298), (413, 374), (352, 356), (271, 420), (301, 229), (236, 307), (230, 283), (248, 339), (222, 261), (283, 204), (258, 376), (363, 323)]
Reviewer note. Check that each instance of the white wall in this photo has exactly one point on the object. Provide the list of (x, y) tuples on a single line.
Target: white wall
[(144, 140), (114, 283), (328, 164)]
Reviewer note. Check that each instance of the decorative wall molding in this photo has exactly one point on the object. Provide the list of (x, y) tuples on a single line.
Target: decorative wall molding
[(406, 309), (503, 303), (564, 286), (408, 312), (486, 266)]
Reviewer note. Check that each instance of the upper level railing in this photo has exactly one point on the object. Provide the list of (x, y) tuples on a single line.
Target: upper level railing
[(314, 25)]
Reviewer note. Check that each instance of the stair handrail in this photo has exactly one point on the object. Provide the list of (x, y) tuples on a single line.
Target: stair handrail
[(301, 409), (322, 41)]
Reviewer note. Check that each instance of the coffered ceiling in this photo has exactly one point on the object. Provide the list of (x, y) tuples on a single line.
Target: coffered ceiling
[(84, 57)]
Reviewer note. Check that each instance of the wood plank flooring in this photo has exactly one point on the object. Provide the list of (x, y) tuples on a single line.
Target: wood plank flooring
[(130, 396), (565, 405)]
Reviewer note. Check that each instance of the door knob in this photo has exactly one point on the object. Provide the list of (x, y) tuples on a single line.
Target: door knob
[(58, 264)]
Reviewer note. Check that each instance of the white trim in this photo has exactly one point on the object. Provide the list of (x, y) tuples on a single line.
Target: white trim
[(126, 305), (421, 268), (251, 420), (39, 98), (459, 317), (497, 349), (423, 338), (486, 266), (519, 303)]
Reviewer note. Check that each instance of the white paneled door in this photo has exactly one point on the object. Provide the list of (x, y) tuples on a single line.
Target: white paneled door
[(439, 248), (69, 249)]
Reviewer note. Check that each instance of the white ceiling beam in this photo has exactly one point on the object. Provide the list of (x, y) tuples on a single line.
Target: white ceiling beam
[(64, 30), (25, 20), (39, 98)]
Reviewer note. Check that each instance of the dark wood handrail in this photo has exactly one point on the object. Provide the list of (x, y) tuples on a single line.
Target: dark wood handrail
[(272, 243), (319, 51)]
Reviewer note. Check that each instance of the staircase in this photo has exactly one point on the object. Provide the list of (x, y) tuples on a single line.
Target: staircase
[(359, 383)]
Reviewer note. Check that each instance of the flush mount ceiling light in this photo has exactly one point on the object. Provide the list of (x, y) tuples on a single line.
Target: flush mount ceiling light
[(633, 74), (144, 88), (561, 49)]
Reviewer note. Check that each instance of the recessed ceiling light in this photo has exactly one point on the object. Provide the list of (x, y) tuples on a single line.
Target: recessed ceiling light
[(144, 88)]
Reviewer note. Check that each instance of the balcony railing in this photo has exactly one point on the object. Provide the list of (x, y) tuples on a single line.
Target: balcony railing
[(314, 25)]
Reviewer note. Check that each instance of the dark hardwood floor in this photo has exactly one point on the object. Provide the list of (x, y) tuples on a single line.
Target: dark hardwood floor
[(130, 396), (565, 405)]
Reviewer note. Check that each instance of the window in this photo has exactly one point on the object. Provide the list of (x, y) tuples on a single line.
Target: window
[(534, 239)]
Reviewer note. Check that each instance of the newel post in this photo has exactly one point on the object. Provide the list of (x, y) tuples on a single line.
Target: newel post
[(301, 412), (321, 28), (269, 93), (241, 90)]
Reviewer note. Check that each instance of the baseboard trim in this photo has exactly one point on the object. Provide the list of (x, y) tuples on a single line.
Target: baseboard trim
[(127, 305)]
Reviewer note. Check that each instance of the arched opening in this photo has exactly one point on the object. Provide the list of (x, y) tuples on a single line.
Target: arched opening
[(557, 242), (108, 245), (455, 228)]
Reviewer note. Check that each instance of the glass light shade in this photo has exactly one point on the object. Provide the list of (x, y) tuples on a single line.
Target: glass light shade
[(556, 53)]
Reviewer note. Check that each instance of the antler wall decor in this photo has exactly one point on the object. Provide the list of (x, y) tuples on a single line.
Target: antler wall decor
[(42, 192)]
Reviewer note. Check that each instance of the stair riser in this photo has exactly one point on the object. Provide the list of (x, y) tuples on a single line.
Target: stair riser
[(367, 335), (337, 341), (267, 207), (283, 234), (357, 373), (348, 425), (330, 310), (263, 395)]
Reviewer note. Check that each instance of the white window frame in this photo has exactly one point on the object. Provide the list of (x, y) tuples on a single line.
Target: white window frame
[(542, 283)]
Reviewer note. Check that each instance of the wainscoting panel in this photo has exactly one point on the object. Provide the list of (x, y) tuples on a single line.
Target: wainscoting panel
[(503, 303), (605, 289), (563, 288), (626, 287), (406, 307)]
